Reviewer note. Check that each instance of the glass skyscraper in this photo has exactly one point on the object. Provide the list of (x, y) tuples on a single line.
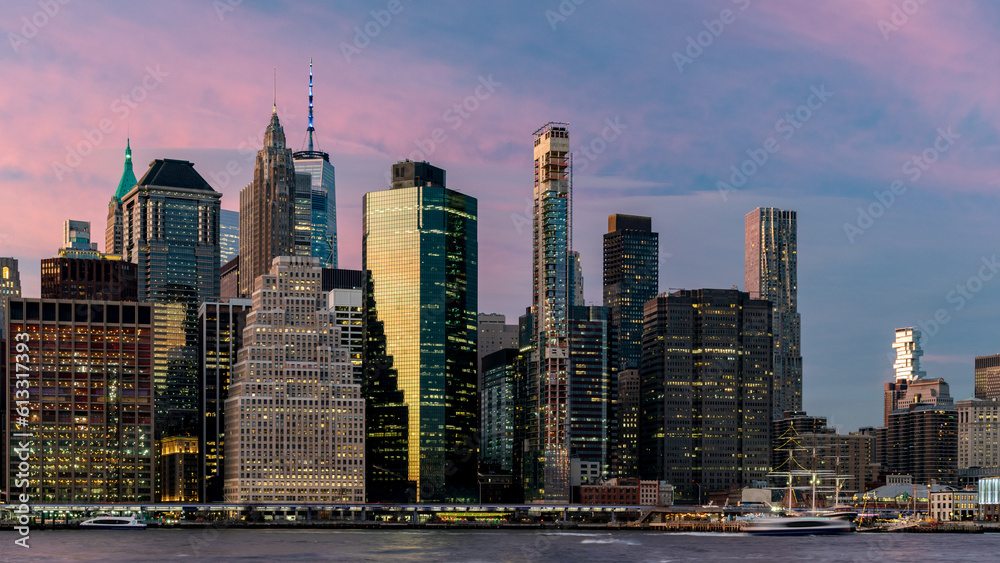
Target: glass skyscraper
[(229, 235), (171, 230), (421, 247), (771, 250), (323, 227), (631, 277)]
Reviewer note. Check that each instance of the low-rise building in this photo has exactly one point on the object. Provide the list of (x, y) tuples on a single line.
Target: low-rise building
[(628, 492), (952, 505)]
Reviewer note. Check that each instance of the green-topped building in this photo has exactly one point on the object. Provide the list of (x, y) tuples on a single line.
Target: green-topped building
[(114, 234)]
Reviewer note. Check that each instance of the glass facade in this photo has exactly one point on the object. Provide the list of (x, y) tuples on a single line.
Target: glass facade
[(229, 235), (89, 400), (420, 245), (323, 202), (631, 277), (172, 232), (771, 266)]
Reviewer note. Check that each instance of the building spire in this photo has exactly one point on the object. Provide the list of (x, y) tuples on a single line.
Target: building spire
[(127, 181), (311, 129), (274, 107)]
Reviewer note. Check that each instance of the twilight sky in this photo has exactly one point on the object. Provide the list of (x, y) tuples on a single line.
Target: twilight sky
[(889, 107)]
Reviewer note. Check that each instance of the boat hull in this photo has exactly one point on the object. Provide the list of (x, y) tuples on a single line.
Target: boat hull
[(799, 527)]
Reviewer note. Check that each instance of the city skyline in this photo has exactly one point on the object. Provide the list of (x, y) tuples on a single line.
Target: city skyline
[(872, 83)]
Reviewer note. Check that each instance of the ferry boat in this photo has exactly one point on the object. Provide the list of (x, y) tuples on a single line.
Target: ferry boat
[(796, 526), (114, 523)]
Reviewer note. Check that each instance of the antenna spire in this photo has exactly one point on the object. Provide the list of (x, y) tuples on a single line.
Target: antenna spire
[(310, 129), (274, 110)]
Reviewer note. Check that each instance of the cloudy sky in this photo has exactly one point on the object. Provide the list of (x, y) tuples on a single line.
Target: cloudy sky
[(877, 121)]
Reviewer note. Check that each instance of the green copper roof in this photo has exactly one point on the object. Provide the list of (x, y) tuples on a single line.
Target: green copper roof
[(128, 177)]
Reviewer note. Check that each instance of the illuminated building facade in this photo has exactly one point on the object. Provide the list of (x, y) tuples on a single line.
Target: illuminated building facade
[(771, 272), (705, 390), (178, 469), (979, 434), (420, 245), (628, 423), (987, 372), (171, 219), (631, 278), (229, 235), (547, 471), (220, 325), (295, 419), (90, 400)]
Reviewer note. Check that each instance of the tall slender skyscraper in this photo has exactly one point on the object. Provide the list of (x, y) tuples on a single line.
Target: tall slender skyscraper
[(10, 286), (267, 208), (323, 208), (631, 277), (171, 230), (229, 235), (114, 234), (421, 246), (547, 434), (771, 273)]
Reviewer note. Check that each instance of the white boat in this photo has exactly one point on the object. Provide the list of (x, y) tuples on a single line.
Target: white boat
[(114, 523), (796, 526)]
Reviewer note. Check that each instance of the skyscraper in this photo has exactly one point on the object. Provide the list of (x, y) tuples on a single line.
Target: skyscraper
[(221, 326), (987, 377), (114, 235), (631, 278), (420, 245), (10, 286), (907, 368), (171, 230), (81, 272), (229, 235), (267, 208), (347, 305), (90, 401), (323, 208), (552, 295), (295, 419), (705, 390), (771, 252)]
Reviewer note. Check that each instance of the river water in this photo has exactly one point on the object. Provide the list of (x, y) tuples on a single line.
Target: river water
[(514, 546)]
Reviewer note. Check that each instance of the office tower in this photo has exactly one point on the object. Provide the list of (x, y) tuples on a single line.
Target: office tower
[(347, 305), (90, 400), (323, 219), (631, 278), (267, 208), (420, 245), (10, 277), (575, 279), (295, 420), (771, 273), (979, 435), (171, 222), (229, 235), (10, 286), (494, 334), (387, 419), (220, 325), (987, 372), (229, 279), (628, 423), (592, 379), (81, 272), (553, 293), (502, 413), (922, 441), (114, 235), (179, 465), (706, 381)]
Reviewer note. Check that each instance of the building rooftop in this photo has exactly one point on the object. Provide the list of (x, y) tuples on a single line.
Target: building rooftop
[(170, 173)]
